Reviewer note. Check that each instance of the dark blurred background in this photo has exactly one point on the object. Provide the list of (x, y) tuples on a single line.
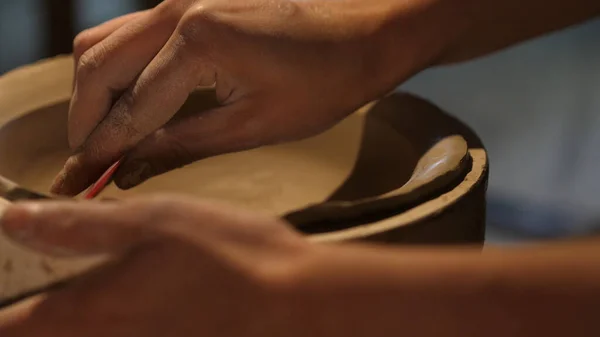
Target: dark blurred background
[(33, 29), (536, 106)]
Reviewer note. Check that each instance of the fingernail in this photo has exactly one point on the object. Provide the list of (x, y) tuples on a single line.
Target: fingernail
[(58, 183), (63, 181), (134, 174), (17, 222)]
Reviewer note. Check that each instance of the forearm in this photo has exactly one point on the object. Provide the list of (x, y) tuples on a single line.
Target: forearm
[(416, 34), (536, 291), (493, 24)]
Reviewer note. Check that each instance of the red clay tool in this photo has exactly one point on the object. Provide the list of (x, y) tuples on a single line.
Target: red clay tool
[(104, 180)]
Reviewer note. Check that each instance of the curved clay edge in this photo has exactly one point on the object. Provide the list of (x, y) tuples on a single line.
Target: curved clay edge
[(422, 186), (429, 162), (13, 82), (417, 214)]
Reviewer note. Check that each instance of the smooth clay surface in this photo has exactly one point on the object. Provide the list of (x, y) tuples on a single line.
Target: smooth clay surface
[(396, 163)]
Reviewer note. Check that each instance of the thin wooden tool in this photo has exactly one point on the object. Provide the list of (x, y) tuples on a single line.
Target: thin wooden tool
[(11, 191), (104, 181)]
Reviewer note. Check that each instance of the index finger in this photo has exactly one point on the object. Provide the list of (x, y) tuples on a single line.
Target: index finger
[(110, 66)]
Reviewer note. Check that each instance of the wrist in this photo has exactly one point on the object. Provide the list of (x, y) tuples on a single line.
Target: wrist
[(279, 280), (415, 34), (300, 305)]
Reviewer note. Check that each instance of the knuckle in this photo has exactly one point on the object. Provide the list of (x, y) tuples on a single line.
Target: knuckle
[(193, 22), (89, 62), (127, 99), (78, 162), (120, 119), (82, 43), (168, 9), (90, 155)]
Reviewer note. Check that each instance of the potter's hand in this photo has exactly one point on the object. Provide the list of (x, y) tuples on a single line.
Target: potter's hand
[(283, 70), (185, 269), (191, 269)]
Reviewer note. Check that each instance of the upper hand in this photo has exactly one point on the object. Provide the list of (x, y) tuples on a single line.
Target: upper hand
[(282, 70)]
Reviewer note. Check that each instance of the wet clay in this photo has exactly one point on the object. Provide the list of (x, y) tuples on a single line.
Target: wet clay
[(397, 171)]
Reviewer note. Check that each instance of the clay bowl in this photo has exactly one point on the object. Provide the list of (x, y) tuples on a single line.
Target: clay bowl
[(398, 171)]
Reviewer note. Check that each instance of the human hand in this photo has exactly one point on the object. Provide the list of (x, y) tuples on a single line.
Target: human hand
[(181, 268), (282, 70)]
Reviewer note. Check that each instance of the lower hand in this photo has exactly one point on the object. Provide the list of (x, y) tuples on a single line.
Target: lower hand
[(182, 268)]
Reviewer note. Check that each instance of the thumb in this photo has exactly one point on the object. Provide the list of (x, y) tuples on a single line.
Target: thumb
[(222, 130), (75, 228)]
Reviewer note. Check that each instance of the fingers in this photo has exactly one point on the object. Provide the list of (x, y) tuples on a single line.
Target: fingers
[(90, 37), (110, 66), (79, 228), (75, 228), (223, 130), (120, 290), (154, 98)]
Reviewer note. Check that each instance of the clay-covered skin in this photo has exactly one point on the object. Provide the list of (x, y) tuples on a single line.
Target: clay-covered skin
[(282, 70)]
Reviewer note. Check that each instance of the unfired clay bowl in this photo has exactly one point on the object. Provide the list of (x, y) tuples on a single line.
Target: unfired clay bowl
[(398, 171)]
